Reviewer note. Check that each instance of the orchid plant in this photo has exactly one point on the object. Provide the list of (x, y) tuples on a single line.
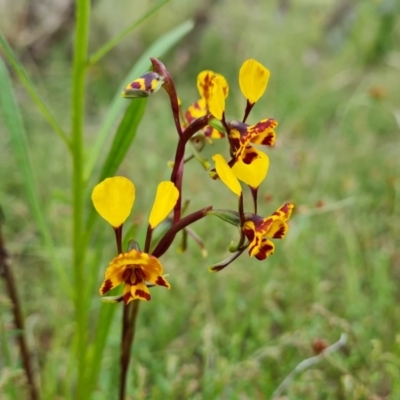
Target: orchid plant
[(205, 120)]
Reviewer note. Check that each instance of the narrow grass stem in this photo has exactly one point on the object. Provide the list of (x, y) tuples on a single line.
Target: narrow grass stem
[(115, 40), (78, 109), (308, 362), (6, 273), (30, 88)]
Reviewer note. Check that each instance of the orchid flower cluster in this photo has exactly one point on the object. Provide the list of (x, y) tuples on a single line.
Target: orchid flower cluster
[(203, 121)]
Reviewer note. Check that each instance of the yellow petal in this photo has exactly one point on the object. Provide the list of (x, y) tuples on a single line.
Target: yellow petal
[(166, 198), (263, 250), (253, 80), (204, 83), (278, 229), (252, 174), (216, 103), (226, 175), (136, 258), (139, 291), (113, 199), (112, 280), (284, 212)]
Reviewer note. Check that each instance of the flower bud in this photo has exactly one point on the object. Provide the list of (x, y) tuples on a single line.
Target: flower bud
[(144, 86)]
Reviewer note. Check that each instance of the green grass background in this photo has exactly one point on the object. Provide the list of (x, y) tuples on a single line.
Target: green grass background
[(238, 333)]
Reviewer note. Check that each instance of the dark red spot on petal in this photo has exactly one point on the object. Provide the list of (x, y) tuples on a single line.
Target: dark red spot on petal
[(126, 275), (127, 297), (269, 139), (135, 85), (280, 233), (142, 294), (107, 286), (161, 281), (264, 251), (249, 157)]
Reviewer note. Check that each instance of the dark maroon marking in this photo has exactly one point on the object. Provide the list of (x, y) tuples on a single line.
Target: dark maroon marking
[(126, 276), (263, 125), (285, 208), (249, 157), (107, 286), (213, 174), (268, 140), (139, 275), (161, 281), (206, 84), (280, 233), (261, 256), (126, 297), (188, 115), (264, 224), (235, 142), (249, 234), (263, 251), (135, 85), (142, 294), (196, 106)]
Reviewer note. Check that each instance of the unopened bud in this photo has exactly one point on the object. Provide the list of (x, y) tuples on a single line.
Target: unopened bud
[(144, 86)]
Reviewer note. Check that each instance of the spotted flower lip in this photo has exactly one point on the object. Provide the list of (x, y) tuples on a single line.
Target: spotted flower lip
[(242, 135), (133, 269), (258, 229)]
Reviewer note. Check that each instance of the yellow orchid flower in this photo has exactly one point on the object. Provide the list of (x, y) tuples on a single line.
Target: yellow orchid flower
[(258, 230), (134, 269)]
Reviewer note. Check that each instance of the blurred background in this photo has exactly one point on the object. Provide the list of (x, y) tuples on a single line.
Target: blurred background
[(335, 91)]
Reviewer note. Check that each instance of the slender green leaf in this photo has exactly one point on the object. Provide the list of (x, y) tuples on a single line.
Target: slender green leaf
[(13, 121), (125, 135), (79, 70), (29, 86), (159, 48), (114, 41)]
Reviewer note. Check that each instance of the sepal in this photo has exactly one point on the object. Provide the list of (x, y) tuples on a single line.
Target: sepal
[(223, 264)]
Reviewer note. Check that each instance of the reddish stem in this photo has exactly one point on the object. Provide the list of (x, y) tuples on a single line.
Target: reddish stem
[(7, 275)]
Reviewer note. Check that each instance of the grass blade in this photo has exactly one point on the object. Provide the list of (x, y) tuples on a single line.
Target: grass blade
[(13, 121), (125, 135), (114, 41), (30, 88)]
